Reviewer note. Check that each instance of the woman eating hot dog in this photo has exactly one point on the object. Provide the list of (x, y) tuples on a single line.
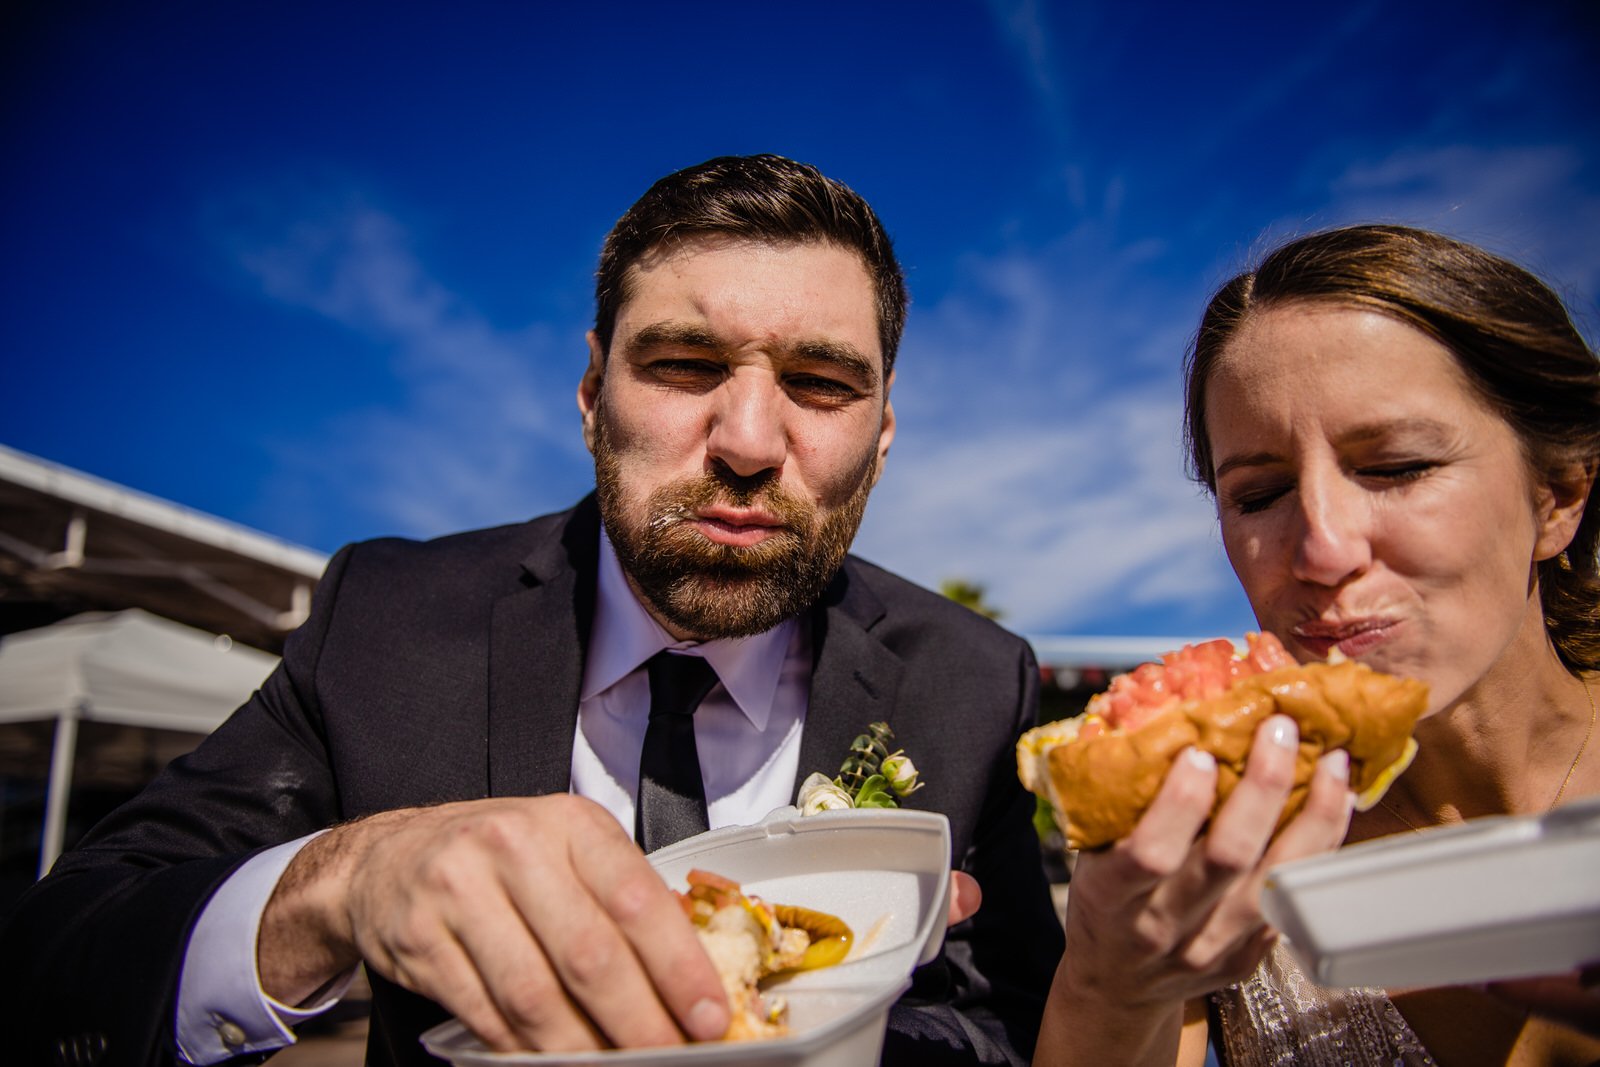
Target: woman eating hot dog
[(1401, 434)]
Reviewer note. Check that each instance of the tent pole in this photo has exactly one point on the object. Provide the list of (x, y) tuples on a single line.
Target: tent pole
[(60, 785)]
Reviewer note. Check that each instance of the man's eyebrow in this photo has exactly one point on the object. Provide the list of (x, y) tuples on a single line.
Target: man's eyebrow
[(678, 334), (845, 357)]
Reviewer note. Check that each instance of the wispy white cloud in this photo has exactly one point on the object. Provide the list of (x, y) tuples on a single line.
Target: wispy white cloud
[(1039, 399), (1040, 411), (482, 427), (1024, 29), (1065, 524), (1039, 449), (1527, 202)]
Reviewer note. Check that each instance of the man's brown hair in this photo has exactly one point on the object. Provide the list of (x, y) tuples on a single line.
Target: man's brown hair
[(762, 198)]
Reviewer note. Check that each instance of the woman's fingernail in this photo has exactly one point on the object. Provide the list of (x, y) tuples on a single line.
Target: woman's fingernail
[(708, 1020), (1200, 759), (1281, 731), (1337, 763)]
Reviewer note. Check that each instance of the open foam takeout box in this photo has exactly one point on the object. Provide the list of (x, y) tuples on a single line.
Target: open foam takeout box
[(885, 872), (1492, 898)]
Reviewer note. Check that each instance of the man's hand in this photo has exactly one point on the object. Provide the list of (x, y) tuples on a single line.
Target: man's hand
[(535, 921), (966, 896)]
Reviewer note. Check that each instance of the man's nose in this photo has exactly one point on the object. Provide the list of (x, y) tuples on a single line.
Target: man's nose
[(1334, 540), (747, 433)]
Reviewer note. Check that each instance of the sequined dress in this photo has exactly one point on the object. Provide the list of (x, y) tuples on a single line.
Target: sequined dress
[(1279, 1017)]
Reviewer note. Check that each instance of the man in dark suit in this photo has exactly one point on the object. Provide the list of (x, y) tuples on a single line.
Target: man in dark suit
[(472, 716)]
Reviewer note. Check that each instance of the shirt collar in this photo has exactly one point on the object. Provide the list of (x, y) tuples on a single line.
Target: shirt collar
[(624, 635)]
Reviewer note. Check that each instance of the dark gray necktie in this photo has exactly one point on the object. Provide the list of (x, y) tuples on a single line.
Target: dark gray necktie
[(672, 797)]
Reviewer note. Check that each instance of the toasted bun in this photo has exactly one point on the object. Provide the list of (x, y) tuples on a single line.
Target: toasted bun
[(1100, 785)]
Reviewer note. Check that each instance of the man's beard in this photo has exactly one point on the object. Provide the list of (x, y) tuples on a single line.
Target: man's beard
[(709, 590)]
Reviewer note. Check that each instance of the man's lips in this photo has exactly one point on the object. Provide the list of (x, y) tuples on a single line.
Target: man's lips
[(1353, 637), (738, 527)]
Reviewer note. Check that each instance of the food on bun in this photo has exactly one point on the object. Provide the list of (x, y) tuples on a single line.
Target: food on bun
[(749, 940), (1101, 770)]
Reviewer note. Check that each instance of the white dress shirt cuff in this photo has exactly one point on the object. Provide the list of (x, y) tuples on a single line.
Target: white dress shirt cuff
[(222, 1009)]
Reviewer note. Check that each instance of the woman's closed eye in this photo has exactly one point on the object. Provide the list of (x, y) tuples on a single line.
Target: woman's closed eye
[(1247, 500), (1397, 473)]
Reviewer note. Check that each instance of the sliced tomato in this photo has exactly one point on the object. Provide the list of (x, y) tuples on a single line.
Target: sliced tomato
[(1267, 653), (1193, 672)]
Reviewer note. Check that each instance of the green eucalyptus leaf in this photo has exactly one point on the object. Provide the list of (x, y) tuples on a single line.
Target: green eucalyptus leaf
[(875, 793)]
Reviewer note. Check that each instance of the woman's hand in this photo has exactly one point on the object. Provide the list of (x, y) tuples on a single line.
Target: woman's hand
[(1166, 915)]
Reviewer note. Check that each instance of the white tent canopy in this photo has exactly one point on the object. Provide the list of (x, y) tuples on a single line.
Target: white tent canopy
[(127, 667)]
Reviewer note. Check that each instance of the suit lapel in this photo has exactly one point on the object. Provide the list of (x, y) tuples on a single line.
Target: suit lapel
[(536, 657), (536, 642), (855, 679)]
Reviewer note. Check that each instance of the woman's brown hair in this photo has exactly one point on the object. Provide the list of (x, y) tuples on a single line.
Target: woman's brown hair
[(1509, 333)]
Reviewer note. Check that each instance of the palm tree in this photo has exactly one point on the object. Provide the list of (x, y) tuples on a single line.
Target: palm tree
[(969, 594)]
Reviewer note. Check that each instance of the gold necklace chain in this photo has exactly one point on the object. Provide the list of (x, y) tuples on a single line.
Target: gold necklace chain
[(1586, 735), (1392, 810)]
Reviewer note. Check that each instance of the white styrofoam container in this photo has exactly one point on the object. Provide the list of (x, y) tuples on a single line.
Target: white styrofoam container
[(829, 1027), (885, 872), (1493, 898)]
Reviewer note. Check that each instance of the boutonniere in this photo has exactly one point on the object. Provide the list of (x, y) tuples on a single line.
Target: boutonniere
[(870, 777)]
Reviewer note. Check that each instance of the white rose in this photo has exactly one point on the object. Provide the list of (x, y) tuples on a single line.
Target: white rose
[(902, 775), (821, 793)]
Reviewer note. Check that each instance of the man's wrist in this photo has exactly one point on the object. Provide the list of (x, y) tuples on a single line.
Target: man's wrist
[(222, 1011), (305, 942)]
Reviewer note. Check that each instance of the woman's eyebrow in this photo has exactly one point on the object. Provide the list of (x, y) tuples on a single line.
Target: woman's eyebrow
[(1428, 431), (1247, 459)]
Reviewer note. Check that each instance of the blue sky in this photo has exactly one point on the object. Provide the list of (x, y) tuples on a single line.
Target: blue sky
[(324, 268)]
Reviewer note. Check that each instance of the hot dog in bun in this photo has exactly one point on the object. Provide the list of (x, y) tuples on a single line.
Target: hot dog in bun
[(750, 940), (1100, 770)]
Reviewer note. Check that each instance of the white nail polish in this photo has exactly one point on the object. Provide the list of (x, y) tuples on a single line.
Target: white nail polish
[(1282, 732), (1200, 759)]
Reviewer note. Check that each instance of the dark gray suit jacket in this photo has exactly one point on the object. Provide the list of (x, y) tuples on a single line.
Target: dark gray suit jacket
[(449, 670)]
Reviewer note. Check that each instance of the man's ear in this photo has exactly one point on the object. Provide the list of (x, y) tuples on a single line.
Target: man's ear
[(589, 387), (1561, 500), (885, 430)]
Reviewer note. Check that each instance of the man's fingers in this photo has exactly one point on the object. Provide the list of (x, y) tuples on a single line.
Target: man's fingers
[(591, 958), (675, 965), (437, 967), (670, 951), (617, 937), (966, 897), (525, 992), (650, 917)]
